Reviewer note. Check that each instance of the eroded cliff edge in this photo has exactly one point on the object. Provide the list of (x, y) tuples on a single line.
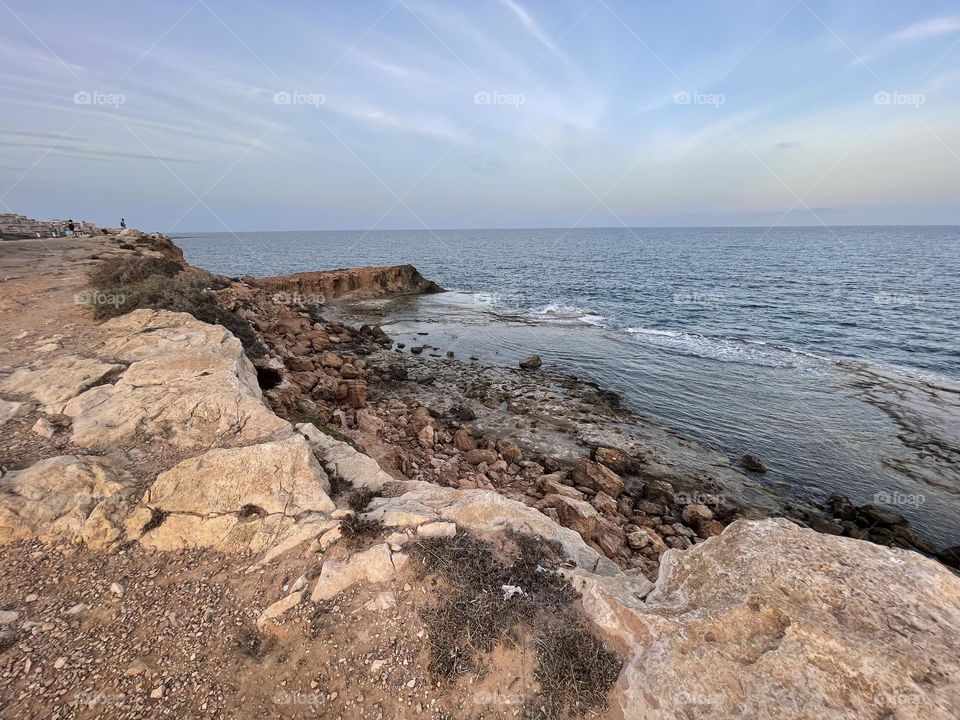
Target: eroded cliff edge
[(349, 283), (173, 545)]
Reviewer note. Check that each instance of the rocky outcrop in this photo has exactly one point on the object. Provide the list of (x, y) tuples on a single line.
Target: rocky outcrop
[(235, 499), (185, 383), (769, 620), (483, 511), (73, 498), (348, 283)]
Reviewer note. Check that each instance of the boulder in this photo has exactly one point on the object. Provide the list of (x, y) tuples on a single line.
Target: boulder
[(74, 498), (463, 441), (234, 499), (604, 503), (531, 363), (769, 620), (751, 462), (341, 460), (658, 491), (188, 385), (617, 460), (597, 477), (509, 451), (373, 565), (479, 455), (696, 514)]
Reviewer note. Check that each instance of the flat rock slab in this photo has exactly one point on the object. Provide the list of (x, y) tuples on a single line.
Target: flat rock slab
[(769, 620), (69, 497), (188, 384), (234, 498), (482, 511)]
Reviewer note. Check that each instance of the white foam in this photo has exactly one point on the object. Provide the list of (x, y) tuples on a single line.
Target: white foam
[(728, 349)]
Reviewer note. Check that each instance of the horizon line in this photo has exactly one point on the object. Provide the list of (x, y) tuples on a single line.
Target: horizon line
[(562, 227)]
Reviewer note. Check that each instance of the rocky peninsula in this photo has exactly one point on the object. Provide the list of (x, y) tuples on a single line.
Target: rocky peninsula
[(219, 498)]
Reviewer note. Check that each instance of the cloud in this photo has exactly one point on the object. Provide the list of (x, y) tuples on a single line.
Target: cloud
[(530, 23), (927, 29), (923, 30)]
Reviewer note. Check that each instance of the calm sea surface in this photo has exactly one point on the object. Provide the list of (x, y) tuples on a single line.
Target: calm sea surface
[(730, 335)]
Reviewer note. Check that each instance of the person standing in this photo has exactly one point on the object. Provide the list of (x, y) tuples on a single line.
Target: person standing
[(72, 228)]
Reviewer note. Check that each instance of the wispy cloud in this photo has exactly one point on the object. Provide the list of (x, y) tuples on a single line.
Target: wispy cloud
[(915, 32)]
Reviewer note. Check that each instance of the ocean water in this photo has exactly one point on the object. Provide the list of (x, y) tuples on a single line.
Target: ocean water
[(729, 335)]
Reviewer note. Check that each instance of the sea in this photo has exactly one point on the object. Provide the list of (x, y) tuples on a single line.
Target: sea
[(741, 338)]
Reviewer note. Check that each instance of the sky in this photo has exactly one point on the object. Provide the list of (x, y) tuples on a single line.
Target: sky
[(208, 115)]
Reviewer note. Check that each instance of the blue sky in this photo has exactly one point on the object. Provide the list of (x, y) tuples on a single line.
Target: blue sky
[(212, 115)]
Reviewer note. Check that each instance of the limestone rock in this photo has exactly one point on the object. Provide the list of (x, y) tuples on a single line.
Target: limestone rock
[(52, 382), (280, 607), (373, 565), (65, 498), (483, 511), (531, 363), (342, 460), (189, 384), (788, 624), (437, 530), (10, 410), (616, 460), (236, 498)]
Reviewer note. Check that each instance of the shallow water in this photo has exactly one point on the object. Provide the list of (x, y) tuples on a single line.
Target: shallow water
[(727, 335)]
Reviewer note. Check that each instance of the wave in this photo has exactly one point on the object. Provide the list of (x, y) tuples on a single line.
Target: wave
[(558, 312), (729, 349)]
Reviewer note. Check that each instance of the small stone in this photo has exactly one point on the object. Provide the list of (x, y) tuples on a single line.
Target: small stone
[(531, 363), (59, 662), (158, 692), (136, 668), (412, 683), (116, 589), (77, 609), (44, 428), (32, 597)]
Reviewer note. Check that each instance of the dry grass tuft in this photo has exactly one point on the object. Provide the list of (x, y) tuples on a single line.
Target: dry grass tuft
[(358, 533), (475, 615)]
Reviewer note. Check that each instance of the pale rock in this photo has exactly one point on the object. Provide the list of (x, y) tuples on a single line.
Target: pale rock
[(235, 499), (11, 409), (117, 589), (53, 382), (373, 565), (299, 584), (281, 606), (8, 617), (329, 538), (437, 530), (59, 663), (188, 385), (69, 497), (342, 460), (77, 609), (44, 428), (369, 422), (790, 624), (382, 601), (136, 668), (482, 511)]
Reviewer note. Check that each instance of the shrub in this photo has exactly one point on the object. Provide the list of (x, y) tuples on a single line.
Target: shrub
[(162, 284)]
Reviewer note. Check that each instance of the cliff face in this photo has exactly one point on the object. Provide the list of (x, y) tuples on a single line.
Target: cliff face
[(351, 283)]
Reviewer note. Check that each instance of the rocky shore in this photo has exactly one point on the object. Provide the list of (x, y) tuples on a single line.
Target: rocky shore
[(269, 510)]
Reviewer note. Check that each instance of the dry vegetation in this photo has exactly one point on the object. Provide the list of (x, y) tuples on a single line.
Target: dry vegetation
[(136, 282), (476, 613)]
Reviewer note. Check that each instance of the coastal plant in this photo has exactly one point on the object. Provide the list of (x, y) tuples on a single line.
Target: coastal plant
[(164, 284), (487, 599)]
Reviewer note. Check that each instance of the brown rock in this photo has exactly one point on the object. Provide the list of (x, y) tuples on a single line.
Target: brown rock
[(356, 394), (709, 528), (597, 477), (509, 451), (328, 359), (463, 441), (693, 515), (616, 460), (477, 456), (604, 503)]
